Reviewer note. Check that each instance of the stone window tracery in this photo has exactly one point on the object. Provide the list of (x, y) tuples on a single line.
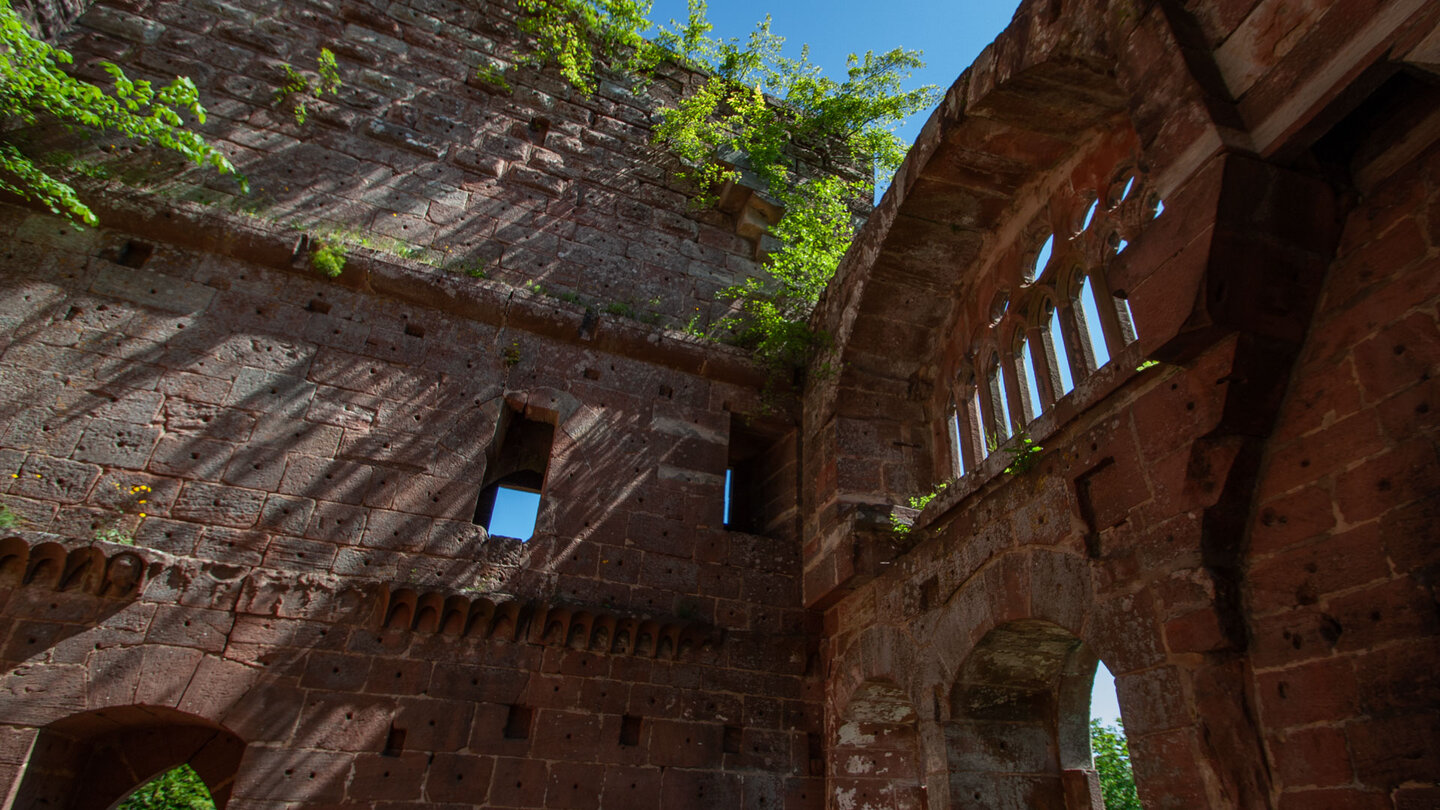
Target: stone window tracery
[(1063, 321)]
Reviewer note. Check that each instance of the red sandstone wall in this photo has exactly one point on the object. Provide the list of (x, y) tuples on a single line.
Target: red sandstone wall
[(534, 184), (313, 455), (1341, 582)]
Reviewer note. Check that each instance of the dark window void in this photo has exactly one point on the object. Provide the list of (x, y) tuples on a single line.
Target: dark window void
[(517, 722), (760, 470), (1390, 115), (509, 501)]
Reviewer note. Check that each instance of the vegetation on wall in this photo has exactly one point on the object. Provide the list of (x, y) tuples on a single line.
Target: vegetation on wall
[(756, 111), (35, 89), (298, 89)]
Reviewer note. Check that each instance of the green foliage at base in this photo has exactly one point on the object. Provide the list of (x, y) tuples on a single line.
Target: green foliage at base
[(36, 90), (1112, 763), (177, 789)]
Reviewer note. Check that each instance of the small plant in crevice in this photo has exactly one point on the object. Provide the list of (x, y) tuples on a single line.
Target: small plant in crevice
[(510, 356), (9, 519), (117, 529), (327, 258), (1025, 455), (473, 269), (299, 89), (118, 535), (620, 309), (1147, 364), (918, 503), (493, 78)]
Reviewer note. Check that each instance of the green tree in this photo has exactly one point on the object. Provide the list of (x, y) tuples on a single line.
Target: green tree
[(176, 789), (1112, 763), (35, 89)]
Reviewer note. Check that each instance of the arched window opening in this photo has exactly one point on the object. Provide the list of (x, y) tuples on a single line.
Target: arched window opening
[(177, 789), (1088, 319), (1059, 357), (1089, 215), (999, 400), (1126, 318), (1042, 259), (1124, 194), (957, 440), (1108, 746), (1029, 385), (117, 756), (977, 412)]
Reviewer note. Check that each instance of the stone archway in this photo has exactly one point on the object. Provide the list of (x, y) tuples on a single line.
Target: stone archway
[(1018, 736), (91, 760)]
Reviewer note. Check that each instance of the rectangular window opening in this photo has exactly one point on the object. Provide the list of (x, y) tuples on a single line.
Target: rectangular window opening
[(759, 476), (630, 730), (517, 722), (516, 466), (730, 743)]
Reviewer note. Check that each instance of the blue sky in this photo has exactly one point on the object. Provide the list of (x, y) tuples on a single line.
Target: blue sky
[(950, 32)]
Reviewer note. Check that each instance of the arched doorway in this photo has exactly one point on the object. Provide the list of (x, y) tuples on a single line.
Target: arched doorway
[(89, 761), (1018, 738)]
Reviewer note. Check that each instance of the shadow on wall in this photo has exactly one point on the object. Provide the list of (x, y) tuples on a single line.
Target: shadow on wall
[(293, 424), (50, 594), (90, 761)]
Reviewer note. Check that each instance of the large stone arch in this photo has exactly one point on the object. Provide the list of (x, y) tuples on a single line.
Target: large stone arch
[(91, 760), (1017, 736)]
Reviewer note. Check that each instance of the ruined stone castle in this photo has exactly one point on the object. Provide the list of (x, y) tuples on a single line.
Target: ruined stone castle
[(1156, 290)]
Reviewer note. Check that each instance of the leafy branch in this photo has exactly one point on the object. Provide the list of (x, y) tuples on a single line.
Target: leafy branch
[(758, 109), (35, 89)]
